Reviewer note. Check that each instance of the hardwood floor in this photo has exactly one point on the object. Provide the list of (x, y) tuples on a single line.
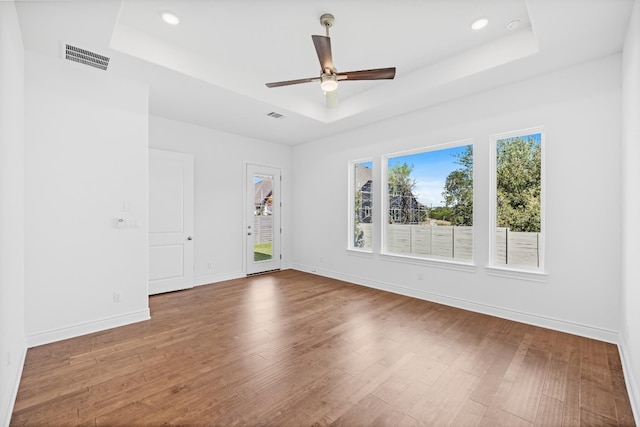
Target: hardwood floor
[(294, 349)]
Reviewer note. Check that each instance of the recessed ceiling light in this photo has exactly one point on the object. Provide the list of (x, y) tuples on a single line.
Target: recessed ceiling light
[(512, 25), (170, 18), (479, 23)]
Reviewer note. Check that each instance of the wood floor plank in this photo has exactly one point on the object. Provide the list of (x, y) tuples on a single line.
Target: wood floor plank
[(494, 414), (369, 381), (296, 412), (550, 412), (364, 412), (589, 418), (571, 416), (623, 405), (494, 376), (445, 398), (507, 419), (556, 381), (470, 415), (596, 393), (526, 392), (291, 348)]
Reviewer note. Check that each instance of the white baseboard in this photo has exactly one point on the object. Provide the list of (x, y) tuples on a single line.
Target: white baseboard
[(505, 313), (207, 280), (87, 328), (631, 381), (7, 407)]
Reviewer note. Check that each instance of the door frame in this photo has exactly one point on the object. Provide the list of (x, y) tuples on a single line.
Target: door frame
[(276, 262)]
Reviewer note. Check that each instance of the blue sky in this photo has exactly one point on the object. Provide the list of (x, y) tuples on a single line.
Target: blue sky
[(430, 170)]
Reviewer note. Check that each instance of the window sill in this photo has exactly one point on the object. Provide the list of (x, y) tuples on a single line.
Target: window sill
[(446, 264), (512, 273), (360, 252)]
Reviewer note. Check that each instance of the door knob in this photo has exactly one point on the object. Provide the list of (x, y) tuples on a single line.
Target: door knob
[(249, 234), (189, 238)]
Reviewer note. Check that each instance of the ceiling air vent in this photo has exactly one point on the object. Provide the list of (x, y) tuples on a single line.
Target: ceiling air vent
[(275, 115), (83, 56)]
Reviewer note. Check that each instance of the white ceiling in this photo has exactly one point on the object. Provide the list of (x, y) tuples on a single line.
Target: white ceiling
[(210, 70)]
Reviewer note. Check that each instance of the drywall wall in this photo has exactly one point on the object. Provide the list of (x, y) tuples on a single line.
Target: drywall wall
[(86, 163), (220, 160), (630, 323), (579, 108), (12, 336)]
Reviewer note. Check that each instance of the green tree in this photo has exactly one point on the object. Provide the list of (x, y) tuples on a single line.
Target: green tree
[(441, 212), (401, 188), (518, 183), (458, 189)]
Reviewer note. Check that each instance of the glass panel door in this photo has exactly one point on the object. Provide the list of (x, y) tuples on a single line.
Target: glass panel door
[(263, 219)]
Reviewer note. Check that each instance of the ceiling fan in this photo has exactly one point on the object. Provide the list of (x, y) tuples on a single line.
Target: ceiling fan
[(329, 76)]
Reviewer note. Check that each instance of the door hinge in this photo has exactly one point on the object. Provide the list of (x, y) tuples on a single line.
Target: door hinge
[(280, 256)]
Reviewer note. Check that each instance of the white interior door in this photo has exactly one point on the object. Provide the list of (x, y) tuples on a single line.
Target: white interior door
[(262, 225), (170, 221)]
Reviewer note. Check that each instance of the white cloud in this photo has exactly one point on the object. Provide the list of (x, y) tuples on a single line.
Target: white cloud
[(429, 193)]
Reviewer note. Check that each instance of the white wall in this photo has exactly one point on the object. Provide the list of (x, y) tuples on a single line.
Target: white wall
[(12, 336), (630, 323), (219, 192), (580, 110), (86, 155)]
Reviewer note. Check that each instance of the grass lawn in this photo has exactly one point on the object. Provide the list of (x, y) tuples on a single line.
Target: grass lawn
[(262, 251)]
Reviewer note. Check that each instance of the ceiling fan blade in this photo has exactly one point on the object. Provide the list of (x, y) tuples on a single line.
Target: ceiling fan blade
[(377, 74), (331, 99), (293, 82), (323, 49)]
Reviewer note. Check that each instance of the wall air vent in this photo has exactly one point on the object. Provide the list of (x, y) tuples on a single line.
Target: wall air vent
[(83, 56), (275, 115)]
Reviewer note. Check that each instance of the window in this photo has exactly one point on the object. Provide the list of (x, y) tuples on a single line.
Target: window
[(517, 209), (429, 203), (361, 205)]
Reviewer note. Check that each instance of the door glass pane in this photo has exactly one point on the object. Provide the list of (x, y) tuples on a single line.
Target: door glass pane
[(263, 218)]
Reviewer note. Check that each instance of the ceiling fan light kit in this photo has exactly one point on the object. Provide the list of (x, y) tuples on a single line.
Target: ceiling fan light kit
[(328, 75), (329, 82)]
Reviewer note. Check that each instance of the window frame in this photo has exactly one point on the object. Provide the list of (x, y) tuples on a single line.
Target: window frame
[(505, 270), (448, 263)]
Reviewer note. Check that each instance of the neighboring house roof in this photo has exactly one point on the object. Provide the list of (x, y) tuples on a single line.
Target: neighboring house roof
[(363, 175), (363, 182), (263, 190)]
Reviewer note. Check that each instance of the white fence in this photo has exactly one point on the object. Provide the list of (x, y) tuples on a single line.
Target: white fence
[(514, 248), (446, 242), (517, 247), (263, 229)]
